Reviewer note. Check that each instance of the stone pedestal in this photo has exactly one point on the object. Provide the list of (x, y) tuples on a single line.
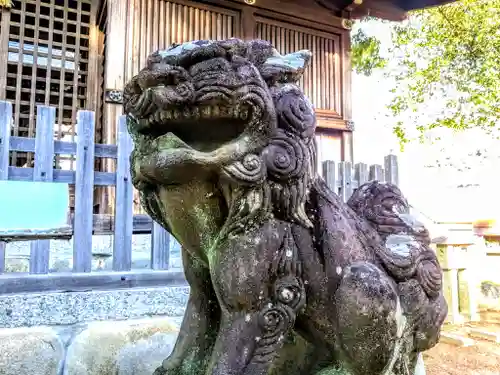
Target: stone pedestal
[(460, 257)]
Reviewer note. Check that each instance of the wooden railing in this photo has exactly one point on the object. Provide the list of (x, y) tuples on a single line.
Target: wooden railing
[(341, 177)]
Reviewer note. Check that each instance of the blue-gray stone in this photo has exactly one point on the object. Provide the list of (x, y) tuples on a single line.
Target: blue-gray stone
[(295, 60), (176, 50)]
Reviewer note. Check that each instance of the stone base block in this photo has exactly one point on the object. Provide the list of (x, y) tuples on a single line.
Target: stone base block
[(124, 348), (33, 351), (133, 347)]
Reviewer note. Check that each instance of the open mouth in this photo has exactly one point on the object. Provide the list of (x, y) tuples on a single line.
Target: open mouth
[(202, 127), (200, 92)]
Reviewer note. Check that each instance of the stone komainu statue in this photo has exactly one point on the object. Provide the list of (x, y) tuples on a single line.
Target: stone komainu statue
[(285, 278)]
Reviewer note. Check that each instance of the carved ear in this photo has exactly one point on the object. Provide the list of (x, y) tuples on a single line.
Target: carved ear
[(288, 68)]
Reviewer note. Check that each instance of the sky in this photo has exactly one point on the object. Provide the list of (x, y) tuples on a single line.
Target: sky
[(446, 179)]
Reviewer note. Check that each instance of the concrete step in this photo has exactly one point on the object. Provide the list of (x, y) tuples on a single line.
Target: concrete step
[(484, 335), (456, 339)]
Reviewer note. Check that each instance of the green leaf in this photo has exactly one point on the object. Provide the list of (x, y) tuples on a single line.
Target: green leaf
[(365, 53), (449, 55)]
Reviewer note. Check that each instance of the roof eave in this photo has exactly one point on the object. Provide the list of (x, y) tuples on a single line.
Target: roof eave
[(391, 10)]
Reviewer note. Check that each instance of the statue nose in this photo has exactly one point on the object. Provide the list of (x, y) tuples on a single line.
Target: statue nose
[(206, 64)]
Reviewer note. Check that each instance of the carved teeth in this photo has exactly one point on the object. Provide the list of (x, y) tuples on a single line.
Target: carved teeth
[(206, 112)]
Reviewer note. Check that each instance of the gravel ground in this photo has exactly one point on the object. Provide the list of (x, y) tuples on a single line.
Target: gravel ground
[(61, 254), (482, 358)]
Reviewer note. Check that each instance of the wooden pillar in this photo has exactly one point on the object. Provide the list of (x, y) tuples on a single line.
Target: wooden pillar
[(347, 136), (93, 89), (114, 81), (248, 23), (456, 257), (347, 146), (451, 283), (4, 50), (470, 279)]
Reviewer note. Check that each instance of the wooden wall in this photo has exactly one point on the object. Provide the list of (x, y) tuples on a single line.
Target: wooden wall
[(156, 24), (138, 27), (68, 53)]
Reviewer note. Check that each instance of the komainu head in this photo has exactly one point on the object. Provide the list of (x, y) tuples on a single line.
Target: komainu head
[(208, 93), (230, 107)]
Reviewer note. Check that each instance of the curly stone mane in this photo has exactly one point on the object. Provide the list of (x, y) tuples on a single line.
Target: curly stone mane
[(277, 181)]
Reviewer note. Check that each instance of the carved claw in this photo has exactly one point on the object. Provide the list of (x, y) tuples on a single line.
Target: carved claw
[(162, 371), (139, 179)]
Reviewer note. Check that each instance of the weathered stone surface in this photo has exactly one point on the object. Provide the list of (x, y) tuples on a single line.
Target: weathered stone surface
[(30, 351), (143, 356), (95, 351), (225, 159), (78, 307)]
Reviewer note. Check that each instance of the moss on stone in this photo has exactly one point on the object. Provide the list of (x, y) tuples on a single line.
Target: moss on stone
[(94, 350)]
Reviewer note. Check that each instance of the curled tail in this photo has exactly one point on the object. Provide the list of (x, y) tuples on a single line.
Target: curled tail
[(406, 254)]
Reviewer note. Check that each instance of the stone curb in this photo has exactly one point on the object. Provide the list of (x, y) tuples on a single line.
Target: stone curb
[(485, 335), (27, 310), (457, 340), (133, 347)]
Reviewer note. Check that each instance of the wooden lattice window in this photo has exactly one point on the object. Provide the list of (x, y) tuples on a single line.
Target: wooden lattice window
[(321, 82), (47, 63)]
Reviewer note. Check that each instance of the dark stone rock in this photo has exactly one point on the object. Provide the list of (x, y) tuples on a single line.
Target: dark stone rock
[(285, 277)]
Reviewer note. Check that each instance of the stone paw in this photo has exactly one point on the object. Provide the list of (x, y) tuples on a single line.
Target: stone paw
[(163, 371), (169, 367)]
